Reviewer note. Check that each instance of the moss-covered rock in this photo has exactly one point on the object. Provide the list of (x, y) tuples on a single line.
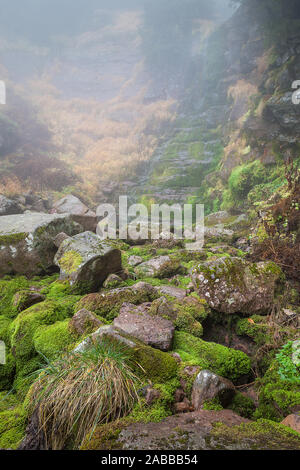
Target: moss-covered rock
[(107, 304), (260, 435), (85, 261), (225, 362), (232, 285)]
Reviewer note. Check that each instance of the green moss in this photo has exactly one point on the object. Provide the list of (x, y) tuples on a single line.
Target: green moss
[(277, 397), (25, 325), (12, 427), (244, 177), (257, 329), (105, 436), (260, 435), (7, 371), (13, 238), (242, 405), (226, 362), (213, 405), (154, 364), (107, 304), (53, 340), (70, 261)]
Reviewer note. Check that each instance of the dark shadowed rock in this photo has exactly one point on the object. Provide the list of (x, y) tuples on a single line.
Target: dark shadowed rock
[(86, 261), (26, 241), (232, 285), (208, 386), (154, 331), (84, 322), (61, 237)]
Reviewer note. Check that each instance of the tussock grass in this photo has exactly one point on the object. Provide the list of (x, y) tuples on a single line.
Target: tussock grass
[(74, 395)]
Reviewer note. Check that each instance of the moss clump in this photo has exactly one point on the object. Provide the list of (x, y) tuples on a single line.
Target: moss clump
[(13, 238), (12, 427), (70, 261), (53, 339), (260, 435), (223, 361), (105, 436), (242, 405), (24, 328), (7, 371), (277, 397), (213, 405), (256, 328), (154, 364)]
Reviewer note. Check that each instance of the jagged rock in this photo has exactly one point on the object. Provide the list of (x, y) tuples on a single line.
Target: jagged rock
[(135, 260), (9, 207), (293, 422), (26, 298), (72, 205), (183, 407), (80, 212), (154, 331), (112, 281), (86, 261), (232, 285), (282, 110), (160, 266), (296, 352), (26, 241), (208, 386), (84, 322)]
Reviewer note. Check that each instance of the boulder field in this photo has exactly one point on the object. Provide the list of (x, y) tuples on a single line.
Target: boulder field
[(211, 371)]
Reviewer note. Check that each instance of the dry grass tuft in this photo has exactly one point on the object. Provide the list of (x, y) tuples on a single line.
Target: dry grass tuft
[(76, 394)]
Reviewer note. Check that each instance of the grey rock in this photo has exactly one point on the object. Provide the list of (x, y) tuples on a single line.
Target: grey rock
[(208, 386), (9, 207), (160, 266), (135, 260), (86, 261), (232, 285), (72, 205), (27, 241)]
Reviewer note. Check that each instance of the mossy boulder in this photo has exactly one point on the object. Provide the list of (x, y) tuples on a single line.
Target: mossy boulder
[(160, 267), (186, 314), (25, 327), (85, 261), (26, 298), (27, 241), (226, 362), (107, 304), (233, 285)]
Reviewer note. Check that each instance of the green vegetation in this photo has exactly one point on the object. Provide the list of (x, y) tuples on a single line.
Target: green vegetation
[(80, 391), (223, 361)]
